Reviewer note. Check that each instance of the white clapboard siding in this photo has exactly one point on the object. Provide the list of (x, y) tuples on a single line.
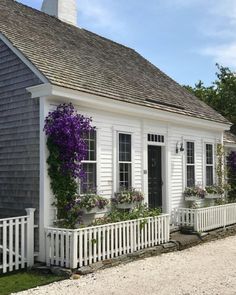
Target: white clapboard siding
[(205, 219), (76, 248), (17, 242)]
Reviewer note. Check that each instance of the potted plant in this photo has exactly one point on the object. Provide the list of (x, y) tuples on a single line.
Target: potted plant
[(127, 198), (92, 203), (214, 192)]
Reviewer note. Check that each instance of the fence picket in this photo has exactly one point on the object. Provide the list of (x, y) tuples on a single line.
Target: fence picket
[(10, 255), (204, 219), (106, 241), (4, 250), (16, 243)]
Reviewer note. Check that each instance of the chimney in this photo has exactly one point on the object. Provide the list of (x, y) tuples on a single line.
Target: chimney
[(65, 10)]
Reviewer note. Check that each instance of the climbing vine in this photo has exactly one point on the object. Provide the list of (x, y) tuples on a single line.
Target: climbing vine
[(220, 165), (66, 131), (231, 164)]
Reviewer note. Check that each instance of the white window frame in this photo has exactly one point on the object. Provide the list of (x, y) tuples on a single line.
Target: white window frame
[(189, 164), (93, 162), (124, 162), (209, 165)]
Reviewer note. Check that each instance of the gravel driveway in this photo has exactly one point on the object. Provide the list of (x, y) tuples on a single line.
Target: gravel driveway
[(205, 269)]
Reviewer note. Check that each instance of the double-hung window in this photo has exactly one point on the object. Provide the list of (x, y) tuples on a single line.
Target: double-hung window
[(209, 164), (190, 164), (125, 161), (89, 182)]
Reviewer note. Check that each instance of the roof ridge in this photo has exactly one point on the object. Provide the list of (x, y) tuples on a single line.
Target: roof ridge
[(43, 13), (79, 59)]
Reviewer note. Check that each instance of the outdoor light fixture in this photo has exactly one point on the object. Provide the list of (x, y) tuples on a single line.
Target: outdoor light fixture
[(179, 149)]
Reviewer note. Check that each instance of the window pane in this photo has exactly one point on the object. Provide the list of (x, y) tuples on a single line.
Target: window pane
[(209, 175), (190, 176), (190, 152), (89, 182), (125, 175), (209, 154), (91, 142), (124, 147)]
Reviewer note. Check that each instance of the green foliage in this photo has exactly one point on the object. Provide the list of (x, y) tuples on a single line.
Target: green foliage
[(220, 165), (214, 189), (221, 95), (118, 215), (231, 165), (63, 185)]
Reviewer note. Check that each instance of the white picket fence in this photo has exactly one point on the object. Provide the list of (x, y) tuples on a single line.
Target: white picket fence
[(76, 248), (205, 219), (17, 242)]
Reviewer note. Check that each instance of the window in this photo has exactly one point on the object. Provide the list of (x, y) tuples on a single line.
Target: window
[(89, 183), (209, 164), (190, 163), (156, 138), (125, 161)]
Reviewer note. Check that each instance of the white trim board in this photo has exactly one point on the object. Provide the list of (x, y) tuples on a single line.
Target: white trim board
[(21, 56), (99, 102)]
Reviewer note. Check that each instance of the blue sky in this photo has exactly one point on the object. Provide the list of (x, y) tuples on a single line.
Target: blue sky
[(184, 38)]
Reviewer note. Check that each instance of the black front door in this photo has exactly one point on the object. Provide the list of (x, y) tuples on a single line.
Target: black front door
[(154, 177)]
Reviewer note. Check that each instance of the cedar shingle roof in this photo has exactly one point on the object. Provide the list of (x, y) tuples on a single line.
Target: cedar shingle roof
[(81, 60), (229, 137)]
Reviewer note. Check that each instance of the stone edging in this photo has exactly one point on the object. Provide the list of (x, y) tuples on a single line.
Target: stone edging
[(178, 242)]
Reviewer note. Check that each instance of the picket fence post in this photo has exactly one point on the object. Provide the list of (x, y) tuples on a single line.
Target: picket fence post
[(196, 226), (225, 222), (30, 237), (74, 250)]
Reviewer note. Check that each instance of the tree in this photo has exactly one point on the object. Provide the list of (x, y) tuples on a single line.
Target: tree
[(221, 95)]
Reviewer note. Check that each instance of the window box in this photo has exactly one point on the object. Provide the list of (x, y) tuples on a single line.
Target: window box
[(192, 199), (127, 199), (212, 196), (127, 205), (95, 210)]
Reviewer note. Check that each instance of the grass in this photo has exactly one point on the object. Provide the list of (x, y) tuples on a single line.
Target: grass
[(20, 281)]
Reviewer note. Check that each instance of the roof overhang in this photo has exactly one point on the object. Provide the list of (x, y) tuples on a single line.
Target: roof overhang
[(61, 94), (230, 145)]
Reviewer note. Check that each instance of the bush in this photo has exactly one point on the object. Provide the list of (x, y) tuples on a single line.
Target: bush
[(118, 215)]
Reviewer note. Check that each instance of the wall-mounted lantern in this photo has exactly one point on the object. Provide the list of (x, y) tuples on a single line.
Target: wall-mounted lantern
[(179, 148)]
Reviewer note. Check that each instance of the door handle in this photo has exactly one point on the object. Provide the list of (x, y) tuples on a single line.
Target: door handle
[(162, 182)]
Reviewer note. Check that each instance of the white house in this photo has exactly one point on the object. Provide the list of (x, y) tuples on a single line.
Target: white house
[(152, 134)]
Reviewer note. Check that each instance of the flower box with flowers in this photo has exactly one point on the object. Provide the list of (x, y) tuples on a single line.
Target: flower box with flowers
[(193, 194), (214, 192), (127, 199), (92, 203)]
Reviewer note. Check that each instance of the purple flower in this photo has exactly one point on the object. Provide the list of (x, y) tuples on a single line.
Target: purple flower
[(67, 129)]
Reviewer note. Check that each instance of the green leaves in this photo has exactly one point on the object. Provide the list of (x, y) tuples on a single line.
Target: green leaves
[(221, 95)]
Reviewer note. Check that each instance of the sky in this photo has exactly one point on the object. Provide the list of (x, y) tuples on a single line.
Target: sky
[(184, 38)]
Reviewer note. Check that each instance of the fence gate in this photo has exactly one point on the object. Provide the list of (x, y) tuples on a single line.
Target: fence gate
[(17, 242)]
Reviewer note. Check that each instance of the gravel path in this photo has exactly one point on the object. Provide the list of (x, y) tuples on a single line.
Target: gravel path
[(205, 269)]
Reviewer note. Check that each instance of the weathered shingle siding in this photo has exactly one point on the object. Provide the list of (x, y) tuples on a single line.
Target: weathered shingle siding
[(19, 136)]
